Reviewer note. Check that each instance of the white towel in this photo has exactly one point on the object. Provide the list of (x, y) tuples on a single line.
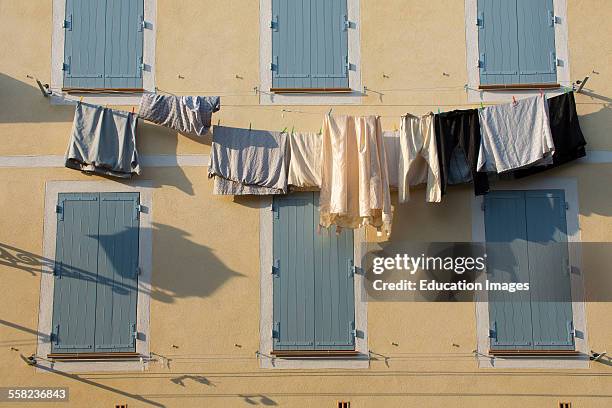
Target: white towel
[(354, 179), (305, 161), (515, 135)]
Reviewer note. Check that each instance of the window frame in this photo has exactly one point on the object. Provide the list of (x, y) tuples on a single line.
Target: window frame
[(581, 358), (45, 314), (357, 359), (475, 94), (310, 97), (61, 97)]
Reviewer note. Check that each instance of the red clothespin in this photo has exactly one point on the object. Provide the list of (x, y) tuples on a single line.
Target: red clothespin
[(514, 102), (542, 93), (132, 109)]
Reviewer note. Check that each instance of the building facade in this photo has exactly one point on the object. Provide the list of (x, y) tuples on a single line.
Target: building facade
[(192, 312)]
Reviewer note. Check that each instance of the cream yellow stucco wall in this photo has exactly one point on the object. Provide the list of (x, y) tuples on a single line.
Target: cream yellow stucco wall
[(205, 301)]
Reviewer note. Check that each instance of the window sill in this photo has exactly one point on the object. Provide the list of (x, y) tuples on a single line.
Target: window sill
[(310, 90), (531, 353), (518, 87), (317, 353), (123, 356)]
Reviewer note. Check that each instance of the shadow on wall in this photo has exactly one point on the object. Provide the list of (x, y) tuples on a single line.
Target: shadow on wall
[(22, 102), (181, 268)]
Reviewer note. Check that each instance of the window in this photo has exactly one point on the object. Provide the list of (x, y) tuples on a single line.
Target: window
[(526, 234), (96, 273), (102, 50), (515, 47), (103, 46), (516, 41), (313, 280), (309, 51), (309, 45)]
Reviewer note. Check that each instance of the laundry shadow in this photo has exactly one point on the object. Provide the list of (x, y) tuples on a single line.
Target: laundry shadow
[(258, 399), (184, 269), (200, 379)]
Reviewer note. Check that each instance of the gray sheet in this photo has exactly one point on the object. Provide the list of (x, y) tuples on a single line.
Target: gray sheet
[(185, 114), (103, 141), (248, 162)]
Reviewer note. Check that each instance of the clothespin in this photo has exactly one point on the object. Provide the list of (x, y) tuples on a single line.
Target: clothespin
[(81, 99), (292, 129), (438, 111), (250, 127), (338, 230), (132, 109), (395, 127), (284, 130), (481, 105), (218, 122), (330, 111), (541, 93), (514, 102)]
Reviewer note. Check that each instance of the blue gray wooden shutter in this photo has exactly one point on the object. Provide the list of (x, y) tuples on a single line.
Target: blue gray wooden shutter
[(507, 261), (84, 44), (536, 30), (516, 41), (526, 234), (124, 41), (293, 282), (309, 44), (103, 44), (334, 289), (551, 307), (313, 292), (117, 288), (96, 273), (76, 263)]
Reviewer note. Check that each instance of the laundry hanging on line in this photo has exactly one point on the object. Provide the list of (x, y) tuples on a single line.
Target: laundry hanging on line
[(248, 162), (566, 134), (515, 135), (354, 179), (458, 140), (185, 114), (103, 141), (305, 160), (418, 162)]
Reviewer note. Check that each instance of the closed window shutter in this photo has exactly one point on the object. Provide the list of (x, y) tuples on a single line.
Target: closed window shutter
[(309, 44), (103, 44), (526, 234), (334, 289), (507, 261), (536, 38), (124, 41), (293, 282), (313, 285), (516, 42), (497, 42), (84, 44), (551, 306), (117, 272), (76, 258)]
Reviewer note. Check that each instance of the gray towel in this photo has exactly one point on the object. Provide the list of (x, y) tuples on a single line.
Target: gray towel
[(186, 114), (248, 162), (103, 141)]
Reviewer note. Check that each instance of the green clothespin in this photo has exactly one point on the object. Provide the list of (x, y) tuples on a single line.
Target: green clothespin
[(481, 105), (438, 111)]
